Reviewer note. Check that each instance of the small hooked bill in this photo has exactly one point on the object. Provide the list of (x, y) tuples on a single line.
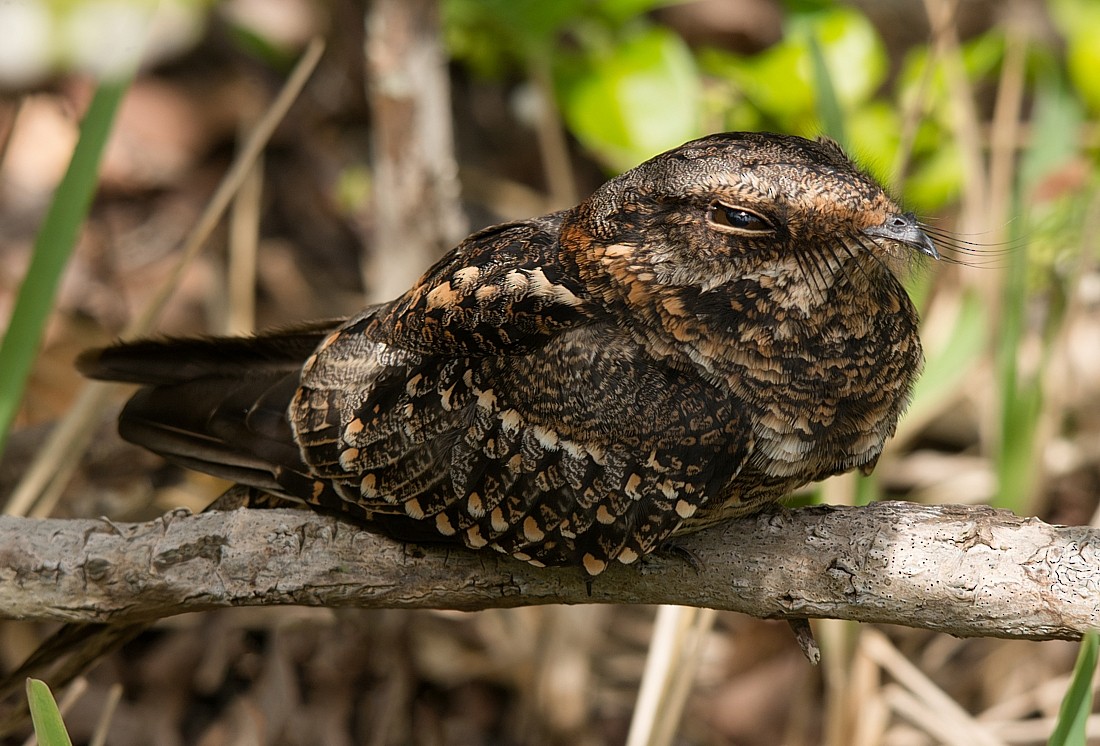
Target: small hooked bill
[(905, 229)]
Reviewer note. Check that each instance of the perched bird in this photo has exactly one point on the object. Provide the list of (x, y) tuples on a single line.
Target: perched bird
[(704, 334)]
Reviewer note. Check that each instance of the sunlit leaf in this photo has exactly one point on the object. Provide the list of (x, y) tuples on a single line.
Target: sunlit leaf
[(784, 82), (635, 100), (1079, 20), (852, 48), (489, 35), (777, 81), (873, 134), (936, 179)]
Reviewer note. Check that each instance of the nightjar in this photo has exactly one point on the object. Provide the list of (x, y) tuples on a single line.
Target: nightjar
[(705, 333)]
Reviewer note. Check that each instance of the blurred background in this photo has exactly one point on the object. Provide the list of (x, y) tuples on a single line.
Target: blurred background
[(426, 119)]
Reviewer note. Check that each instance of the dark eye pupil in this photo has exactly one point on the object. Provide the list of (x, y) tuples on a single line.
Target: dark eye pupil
[(741, 218), (731, 216)]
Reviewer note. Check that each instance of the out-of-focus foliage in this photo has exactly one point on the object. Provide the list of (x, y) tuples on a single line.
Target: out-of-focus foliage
[(103, 37), (1079, 21), (627, 88), (639, 94), (778, 87), (1051, 200)]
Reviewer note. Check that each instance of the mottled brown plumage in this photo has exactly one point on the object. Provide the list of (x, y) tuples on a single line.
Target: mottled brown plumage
[(704, 334)]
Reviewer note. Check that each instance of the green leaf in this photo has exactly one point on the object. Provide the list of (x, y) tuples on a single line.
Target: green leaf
[(1016, 459), (873, 137), (936, 178), (1079, 20), (1082, 61), (784, 81), (489, 34), (853, 51), (777, 82), (636, 99), (1077, 705), (621, 11), (49, 728), (54, 244)]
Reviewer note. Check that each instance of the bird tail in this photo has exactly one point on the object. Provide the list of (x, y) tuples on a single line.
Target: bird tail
[(216, 405)]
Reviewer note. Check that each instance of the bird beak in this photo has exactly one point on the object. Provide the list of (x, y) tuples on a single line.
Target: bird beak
[(904, 229)]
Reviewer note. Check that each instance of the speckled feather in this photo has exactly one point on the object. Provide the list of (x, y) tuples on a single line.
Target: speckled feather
[(704, 334)]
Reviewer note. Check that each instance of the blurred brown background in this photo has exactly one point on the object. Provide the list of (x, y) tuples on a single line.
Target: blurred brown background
[(426, 120)]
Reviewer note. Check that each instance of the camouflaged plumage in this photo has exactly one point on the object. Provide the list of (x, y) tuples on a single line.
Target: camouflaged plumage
[(704, 334)]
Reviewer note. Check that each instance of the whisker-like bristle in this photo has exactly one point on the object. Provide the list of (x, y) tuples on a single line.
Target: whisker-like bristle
[(798, 260), (870, 248), (809, 273), (962, 245), (956, 250), (855, 260)]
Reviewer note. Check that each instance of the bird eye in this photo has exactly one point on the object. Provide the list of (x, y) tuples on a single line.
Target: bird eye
[(733, 219)]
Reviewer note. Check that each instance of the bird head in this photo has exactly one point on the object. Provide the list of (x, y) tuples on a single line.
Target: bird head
[(746, 204)]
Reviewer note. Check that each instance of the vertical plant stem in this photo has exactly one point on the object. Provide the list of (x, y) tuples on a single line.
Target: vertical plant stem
[(1005, 131), (552, 141), (975, 195), (244, 239), (7, 129)]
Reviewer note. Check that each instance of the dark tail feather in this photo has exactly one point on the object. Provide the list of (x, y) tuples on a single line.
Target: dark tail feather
[(164, 361), (216, 405), (235, 429)]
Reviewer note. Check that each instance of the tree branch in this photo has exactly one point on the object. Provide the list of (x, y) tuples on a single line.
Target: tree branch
[(968, 571)]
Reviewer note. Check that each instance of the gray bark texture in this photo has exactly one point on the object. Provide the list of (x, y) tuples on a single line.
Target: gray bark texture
[(967, 571)]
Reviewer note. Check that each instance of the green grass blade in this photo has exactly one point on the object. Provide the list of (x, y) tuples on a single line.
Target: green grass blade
[(52, 249), (828, 105), (949, 364), (1075, 709), (48, 725)]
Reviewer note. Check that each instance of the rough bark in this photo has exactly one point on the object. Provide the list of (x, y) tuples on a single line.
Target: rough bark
[(968, 571)]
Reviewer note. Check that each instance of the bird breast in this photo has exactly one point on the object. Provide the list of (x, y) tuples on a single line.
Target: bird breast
[(824, 370)]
